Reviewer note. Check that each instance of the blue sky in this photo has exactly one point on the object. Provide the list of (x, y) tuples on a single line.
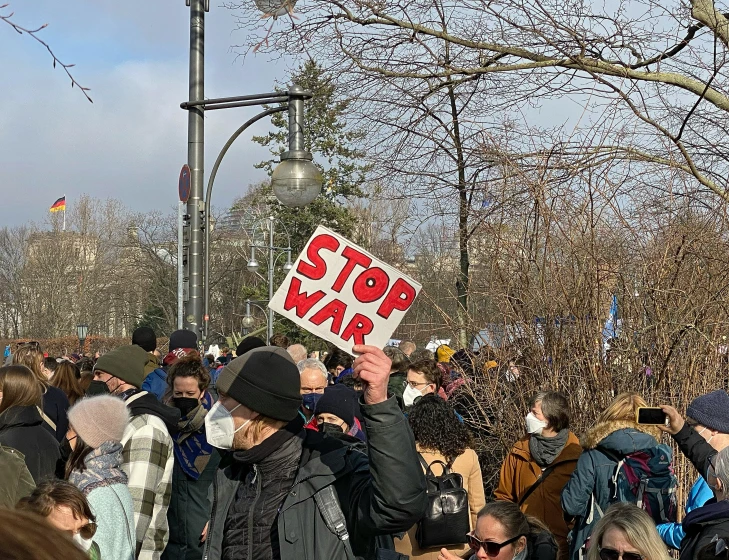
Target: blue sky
[(131, 142)]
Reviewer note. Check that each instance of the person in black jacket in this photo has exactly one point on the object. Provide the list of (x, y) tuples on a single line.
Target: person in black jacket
[(21, 425), (705, 522), (503, 532), (54, 402), (285, 492)]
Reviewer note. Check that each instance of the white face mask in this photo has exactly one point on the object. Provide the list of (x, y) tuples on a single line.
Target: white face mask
[(534, 425), (220, 427), (410, 394), (82, 543)]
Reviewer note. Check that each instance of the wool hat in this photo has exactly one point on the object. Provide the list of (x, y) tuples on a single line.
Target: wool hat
[(444, 353), (145, 337), (339, 400), (126, 362), (711, 410), (183, 339), (247, 344), (266, 380), (99, 419)]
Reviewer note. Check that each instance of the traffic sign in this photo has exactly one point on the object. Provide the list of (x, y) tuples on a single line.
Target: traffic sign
[(183, 185)]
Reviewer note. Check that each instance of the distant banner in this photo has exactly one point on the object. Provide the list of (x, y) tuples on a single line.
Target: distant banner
[(343, 294)]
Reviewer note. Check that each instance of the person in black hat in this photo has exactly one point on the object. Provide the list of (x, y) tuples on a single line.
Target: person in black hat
[(286, 472), (155, 378)]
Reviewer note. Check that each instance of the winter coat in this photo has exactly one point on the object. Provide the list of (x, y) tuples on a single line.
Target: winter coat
[(520, 472), (148, 460), (673, 533), (15, 479), (379, 496), (594, 472), (468, 467), (55, 406), (189, 511), (114, 511), (710, 519), (21, 427), (155, 378)]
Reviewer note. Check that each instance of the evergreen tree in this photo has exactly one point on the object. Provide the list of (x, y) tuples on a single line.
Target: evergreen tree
[(333, 145)]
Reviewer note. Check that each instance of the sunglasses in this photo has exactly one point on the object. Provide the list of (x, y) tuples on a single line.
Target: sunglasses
[(612, 554), (88, 531), (493, 548)]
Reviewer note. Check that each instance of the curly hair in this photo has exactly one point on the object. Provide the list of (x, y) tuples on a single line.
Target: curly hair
[(189, 366), (435, 426)]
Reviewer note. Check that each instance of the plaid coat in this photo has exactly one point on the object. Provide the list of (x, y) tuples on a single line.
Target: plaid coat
[(148, 461)]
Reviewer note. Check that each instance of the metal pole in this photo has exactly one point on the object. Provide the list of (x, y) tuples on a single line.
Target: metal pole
[(296, 118), (180, 276), (195, 159), (270, 277)]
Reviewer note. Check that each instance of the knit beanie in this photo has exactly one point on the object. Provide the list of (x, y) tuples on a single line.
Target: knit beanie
[(99, 419), (145, 337), (247, 344), (444, 353), (126, 362), (339, 400), (266, 380), (711, 410), (183, 339)]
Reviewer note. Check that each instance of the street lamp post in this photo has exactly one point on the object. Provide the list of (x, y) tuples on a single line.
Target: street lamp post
[(81, 331), (296, 181), (274, 252)]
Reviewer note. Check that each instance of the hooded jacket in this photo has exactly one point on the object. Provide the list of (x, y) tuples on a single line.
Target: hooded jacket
[(520, 472), (710, 519), (155, 378), (22, 428), (379, 495), (15, 479), (148, 461), (590, 481)]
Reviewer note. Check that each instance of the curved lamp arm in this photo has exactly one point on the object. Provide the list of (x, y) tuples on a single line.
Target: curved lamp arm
[(213, 173)]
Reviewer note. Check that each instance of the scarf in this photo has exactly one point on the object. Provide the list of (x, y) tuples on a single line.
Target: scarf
[(192, 449), (101, 468), (544, 450)]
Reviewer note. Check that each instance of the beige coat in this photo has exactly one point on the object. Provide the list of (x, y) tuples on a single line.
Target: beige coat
[(468, 467)]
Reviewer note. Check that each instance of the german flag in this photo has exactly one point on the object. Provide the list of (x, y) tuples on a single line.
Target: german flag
[(59, 205)]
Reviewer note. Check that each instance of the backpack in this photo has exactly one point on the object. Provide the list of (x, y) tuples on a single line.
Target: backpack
[(646, 479), (446, 521)]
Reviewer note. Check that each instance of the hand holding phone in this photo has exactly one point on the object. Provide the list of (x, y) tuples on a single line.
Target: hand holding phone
[(650, 415)]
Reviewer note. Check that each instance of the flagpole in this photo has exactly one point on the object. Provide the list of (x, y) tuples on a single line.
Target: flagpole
[(64, 212)]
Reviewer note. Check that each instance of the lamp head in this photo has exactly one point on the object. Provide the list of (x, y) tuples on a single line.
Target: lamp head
[(296, 181), (252, 265)]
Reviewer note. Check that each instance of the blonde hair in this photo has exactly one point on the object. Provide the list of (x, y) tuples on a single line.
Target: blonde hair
[(30, 356), (636, 525), (625, 408)]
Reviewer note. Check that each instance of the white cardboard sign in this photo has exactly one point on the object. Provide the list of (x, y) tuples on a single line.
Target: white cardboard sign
[(343, 294)]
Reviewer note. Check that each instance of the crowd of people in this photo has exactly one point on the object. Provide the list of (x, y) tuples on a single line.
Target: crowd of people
[(272, 452)]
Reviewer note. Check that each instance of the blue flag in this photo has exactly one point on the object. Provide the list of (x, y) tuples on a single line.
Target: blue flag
[(612, 325)]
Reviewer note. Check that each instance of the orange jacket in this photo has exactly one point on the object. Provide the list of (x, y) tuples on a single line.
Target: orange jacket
[(519, 472)]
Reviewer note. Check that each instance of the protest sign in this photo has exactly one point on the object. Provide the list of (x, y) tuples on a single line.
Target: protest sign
[(343, 294)]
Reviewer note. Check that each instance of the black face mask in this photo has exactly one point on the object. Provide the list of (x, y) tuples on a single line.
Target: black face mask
[(185, 405), (66, 450), (331, 429), (97, 388)]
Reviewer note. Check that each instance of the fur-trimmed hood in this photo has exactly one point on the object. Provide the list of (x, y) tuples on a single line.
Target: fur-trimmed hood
[(624, 436)]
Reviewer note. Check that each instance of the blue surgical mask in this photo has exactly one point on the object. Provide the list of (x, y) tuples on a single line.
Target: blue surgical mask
[(310, 400)]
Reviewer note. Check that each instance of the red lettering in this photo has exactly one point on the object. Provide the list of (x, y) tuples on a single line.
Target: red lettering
[(357, 328), (301, 301), (354, 258), (399, 297), (318, 268), (371, 285), (333, 310)]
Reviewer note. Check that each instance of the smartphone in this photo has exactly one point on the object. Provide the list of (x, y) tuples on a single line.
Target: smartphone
[(651, 415)]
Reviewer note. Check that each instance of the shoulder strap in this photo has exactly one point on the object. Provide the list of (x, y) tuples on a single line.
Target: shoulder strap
[(47, 419), (328, 504), (423, 462), (545, 473)]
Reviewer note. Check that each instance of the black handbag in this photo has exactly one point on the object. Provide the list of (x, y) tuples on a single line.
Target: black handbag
[(446, 521)]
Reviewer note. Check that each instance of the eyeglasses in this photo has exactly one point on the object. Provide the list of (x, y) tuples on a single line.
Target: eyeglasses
[(612, 554), (415, 384), (492, 548)]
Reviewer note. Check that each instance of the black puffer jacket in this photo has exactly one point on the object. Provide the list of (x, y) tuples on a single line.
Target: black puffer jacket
[(379, 496), (21, 427)]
